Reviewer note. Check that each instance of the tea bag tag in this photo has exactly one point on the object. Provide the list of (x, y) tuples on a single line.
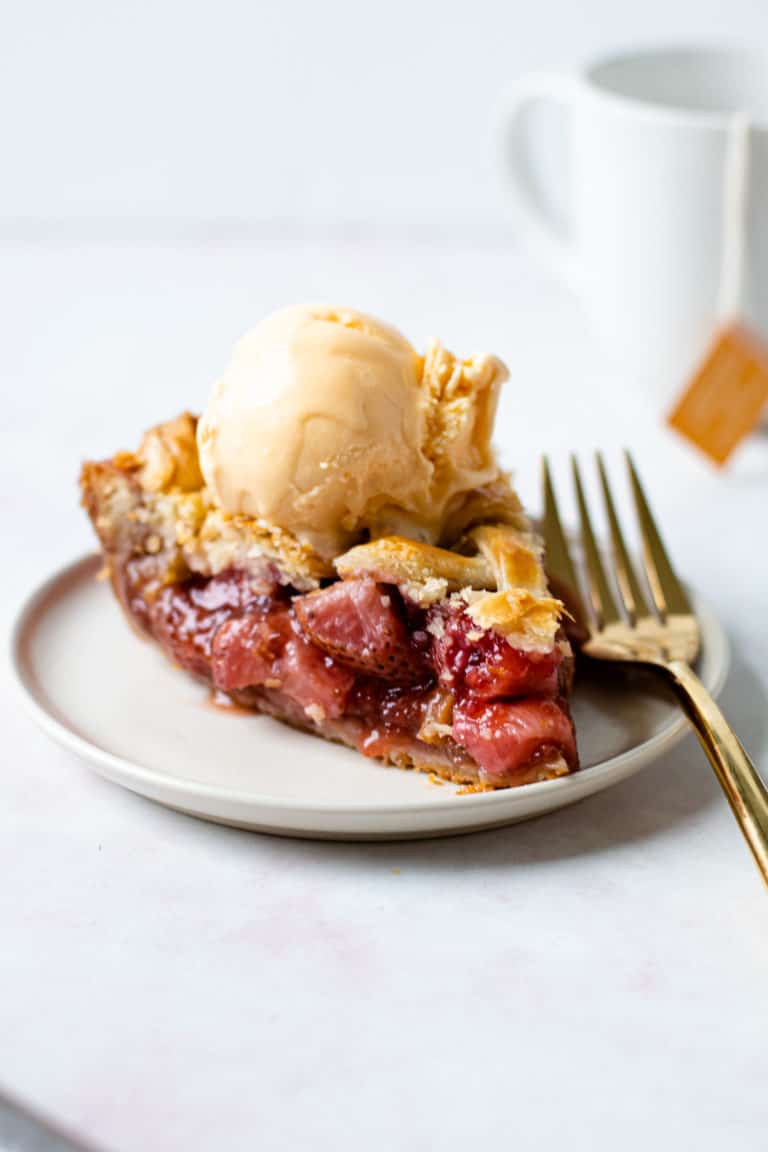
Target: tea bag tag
[(726, 396)]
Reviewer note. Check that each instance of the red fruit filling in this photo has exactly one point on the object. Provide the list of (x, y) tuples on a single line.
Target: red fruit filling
[(186, 617), (505, 735), (356, 650), (266, 648), (485, 664), (362, 625)]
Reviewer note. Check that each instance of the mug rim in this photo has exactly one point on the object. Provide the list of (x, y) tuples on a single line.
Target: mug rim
[(656, 109)]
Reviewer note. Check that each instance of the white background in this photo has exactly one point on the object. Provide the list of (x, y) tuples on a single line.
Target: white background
[(290, 108), (170, 172)]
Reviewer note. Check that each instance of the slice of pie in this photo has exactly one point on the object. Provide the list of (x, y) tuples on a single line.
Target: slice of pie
[(334, 544)]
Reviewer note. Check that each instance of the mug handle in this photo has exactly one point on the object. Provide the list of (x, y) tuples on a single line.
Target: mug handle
[(545, 235)]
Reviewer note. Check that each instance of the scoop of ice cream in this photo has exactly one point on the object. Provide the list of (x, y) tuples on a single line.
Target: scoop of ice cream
[(329, 424)]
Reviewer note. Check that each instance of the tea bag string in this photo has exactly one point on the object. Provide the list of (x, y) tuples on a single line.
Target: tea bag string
[(734, 241)]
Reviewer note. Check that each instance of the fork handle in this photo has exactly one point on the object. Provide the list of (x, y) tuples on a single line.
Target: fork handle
[(745, 791)]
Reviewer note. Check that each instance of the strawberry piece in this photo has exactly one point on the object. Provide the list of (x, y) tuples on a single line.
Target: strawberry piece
[(265, 649), (246, 650), (504, 736), (487, 665), (313, 679), (185, 617), (357, 622)]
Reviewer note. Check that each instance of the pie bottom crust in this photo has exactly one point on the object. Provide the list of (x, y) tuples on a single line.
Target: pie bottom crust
[(423, 757)]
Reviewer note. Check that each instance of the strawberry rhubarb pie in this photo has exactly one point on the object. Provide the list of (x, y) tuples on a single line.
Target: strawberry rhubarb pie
[(333, 543)]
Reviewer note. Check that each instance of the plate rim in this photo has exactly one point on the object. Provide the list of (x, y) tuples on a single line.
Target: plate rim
[(637, 757)]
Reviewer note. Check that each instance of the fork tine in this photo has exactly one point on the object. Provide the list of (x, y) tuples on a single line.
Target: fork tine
[(603, 602), (631, 593), (558, 557), (666, 589)]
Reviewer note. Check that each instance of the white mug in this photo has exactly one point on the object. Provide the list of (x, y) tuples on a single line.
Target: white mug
[(648, 141)]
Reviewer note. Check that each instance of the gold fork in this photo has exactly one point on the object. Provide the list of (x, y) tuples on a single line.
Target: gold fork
[(624, 628)]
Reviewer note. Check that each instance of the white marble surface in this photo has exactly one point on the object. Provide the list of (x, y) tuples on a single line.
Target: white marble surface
[(596, 977)]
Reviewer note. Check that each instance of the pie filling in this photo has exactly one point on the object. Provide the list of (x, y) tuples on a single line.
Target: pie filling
[(359, 661)]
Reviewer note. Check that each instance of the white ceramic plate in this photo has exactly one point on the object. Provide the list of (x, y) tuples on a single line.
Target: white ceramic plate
[(92, 684)]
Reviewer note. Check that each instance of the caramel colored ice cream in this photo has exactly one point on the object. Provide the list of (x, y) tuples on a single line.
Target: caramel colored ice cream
[(330, 425)]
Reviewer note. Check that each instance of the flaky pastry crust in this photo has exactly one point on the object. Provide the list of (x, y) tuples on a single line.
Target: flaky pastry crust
[(153, 502)]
